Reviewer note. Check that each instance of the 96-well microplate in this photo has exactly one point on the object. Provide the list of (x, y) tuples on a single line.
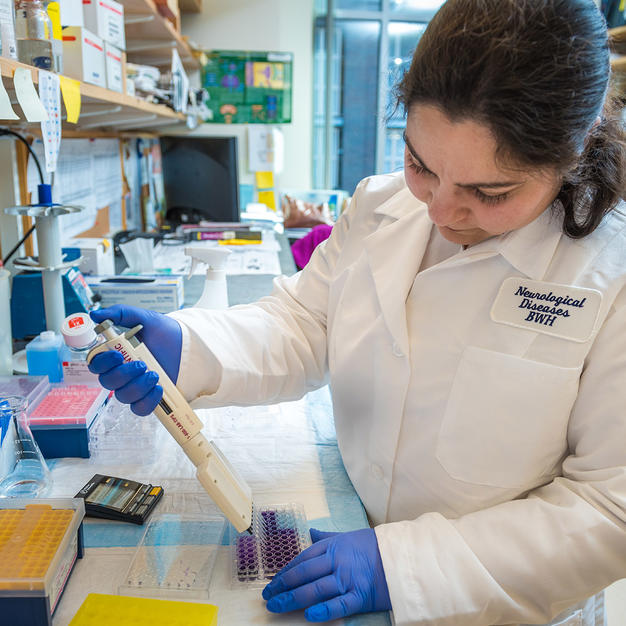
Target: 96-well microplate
[(279, 533)]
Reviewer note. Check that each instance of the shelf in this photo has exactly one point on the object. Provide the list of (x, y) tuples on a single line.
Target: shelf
[(190, 6), (150, 37), (100, 108)]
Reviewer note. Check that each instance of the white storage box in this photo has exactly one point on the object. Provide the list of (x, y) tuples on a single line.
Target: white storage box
[(159, 293), (106, 19), (114, 61), (72, 13), (83, 56), (97, 254)]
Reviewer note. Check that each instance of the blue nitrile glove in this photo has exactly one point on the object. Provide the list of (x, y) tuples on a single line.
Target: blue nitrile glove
[(132, 382), (340, 574)]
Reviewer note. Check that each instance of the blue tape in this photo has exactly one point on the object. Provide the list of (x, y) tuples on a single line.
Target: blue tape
[(166, 531)]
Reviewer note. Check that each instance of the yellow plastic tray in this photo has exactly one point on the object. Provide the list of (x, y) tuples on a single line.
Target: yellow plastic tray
[(98, 609)]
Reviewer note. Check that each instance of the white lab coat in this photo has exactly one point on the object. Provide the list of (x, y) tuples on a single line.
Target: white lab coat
[(500, 497)]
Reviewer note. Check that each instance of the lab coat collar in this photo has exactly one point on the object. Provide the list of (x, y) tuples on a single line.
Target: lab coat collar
[(400, 204), (529, 249), (394, 252)]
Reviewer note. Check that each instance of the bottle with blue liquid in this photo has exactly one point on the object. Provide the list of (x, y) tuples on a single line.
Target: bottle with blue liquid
[(44, 356)]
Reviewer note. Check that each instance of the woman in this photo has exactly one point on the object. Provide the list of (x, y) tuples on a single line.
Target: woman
[(470, 317)]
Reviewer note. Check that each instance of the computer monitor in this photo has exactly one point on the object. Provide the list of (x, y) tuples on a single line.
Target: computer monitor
[(200, 178)]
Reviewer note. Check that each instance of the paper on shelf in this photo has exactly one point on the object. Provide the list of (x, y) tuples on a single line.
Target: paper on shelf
[(27, 96), (6, 110), (49, 92)]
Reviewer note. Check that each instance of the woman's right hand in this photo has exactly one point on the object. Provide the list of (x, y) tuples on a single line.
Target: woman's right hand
[(132, 382)]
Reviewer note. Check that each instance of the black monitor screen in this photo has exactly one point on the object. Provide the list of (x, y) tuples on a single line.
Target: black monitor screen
[(200, 177)]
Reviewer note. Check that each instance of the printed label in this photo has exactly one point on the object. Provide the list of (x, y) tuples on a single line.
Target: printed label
[(75, 321), (77, 372), (561, 310)]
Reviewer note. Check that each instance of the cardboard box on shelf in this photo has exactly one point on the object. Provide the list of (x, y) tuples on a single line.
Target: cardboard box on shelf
[(83, 56), (106, 19), (72, 13), (96, 253), (115, 68)]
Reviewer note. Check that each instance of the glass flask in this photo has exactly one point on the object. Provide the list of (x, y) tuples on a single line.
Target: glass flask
[(33, 31), (23, 470)]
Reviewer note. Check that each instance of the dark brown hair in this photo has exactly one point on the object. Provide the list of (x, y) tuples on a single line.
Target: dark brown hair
[(536, 73)]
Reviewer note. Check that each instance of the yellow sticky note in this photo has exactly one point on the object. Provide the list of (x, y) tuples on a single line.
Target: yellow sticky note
[(70, 89), (264, 180), (54, 11), (268, 199)]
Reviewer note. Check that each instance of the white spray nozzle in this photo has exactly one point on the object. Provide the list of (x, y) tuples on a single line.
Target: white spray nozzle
[(215, 258)]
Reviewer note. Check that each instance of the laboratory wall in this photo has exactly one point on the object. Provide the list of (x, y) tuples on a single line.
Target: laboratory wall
[(265, 25)]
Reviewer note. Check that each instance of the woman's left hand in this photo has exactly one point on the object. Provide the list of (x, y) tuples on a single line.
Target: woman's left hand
[(340, 574)]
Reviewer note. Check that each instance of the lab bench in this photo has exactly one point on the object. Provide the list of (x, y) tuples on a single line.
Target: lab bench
[(286, 452)]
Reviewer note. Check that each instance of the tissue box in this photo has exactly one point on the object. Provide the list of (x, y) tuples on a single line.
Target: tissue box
[(158, 293)]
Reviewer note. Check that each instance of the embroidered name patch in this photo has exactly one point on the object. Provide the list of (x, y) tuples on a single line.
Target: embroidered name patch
[(559, 310)]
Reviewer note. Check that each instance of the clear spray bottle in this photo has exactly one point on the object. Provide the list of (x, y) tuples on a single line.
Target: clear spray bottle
[(215, 293)]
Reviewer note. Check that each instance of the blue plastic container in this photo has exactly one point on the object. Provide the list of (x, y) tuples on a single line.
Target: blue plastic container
[(44, 355)]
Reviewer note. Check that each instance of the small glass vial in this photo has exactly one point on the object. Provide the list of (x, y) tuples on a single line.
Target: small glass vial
[(23, 470), (33, 31), (80, 337)]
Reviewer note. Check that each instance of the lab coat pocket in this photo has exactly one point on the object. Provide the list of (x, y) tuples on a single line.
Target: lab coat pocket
[(505, 424)]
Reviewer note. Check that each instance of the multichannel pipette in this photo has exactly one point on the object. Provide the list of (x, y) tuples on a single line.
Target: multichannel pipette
[(216, 475)]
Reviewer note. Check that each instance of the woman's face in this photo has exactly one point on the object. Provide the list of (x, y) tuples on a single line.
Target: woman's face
[(451, 166)]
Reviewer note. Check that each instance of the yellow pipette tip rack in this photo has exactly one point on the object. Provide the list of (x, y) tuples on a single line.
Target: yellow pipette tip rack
[(40, 540), (98, 609), (29, 539)]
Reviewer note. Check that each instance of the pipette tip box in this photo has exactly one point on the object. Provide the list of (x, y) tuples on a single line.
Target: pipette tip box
[(40, 541), (98, 609), (279, 533), (61, 420)]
